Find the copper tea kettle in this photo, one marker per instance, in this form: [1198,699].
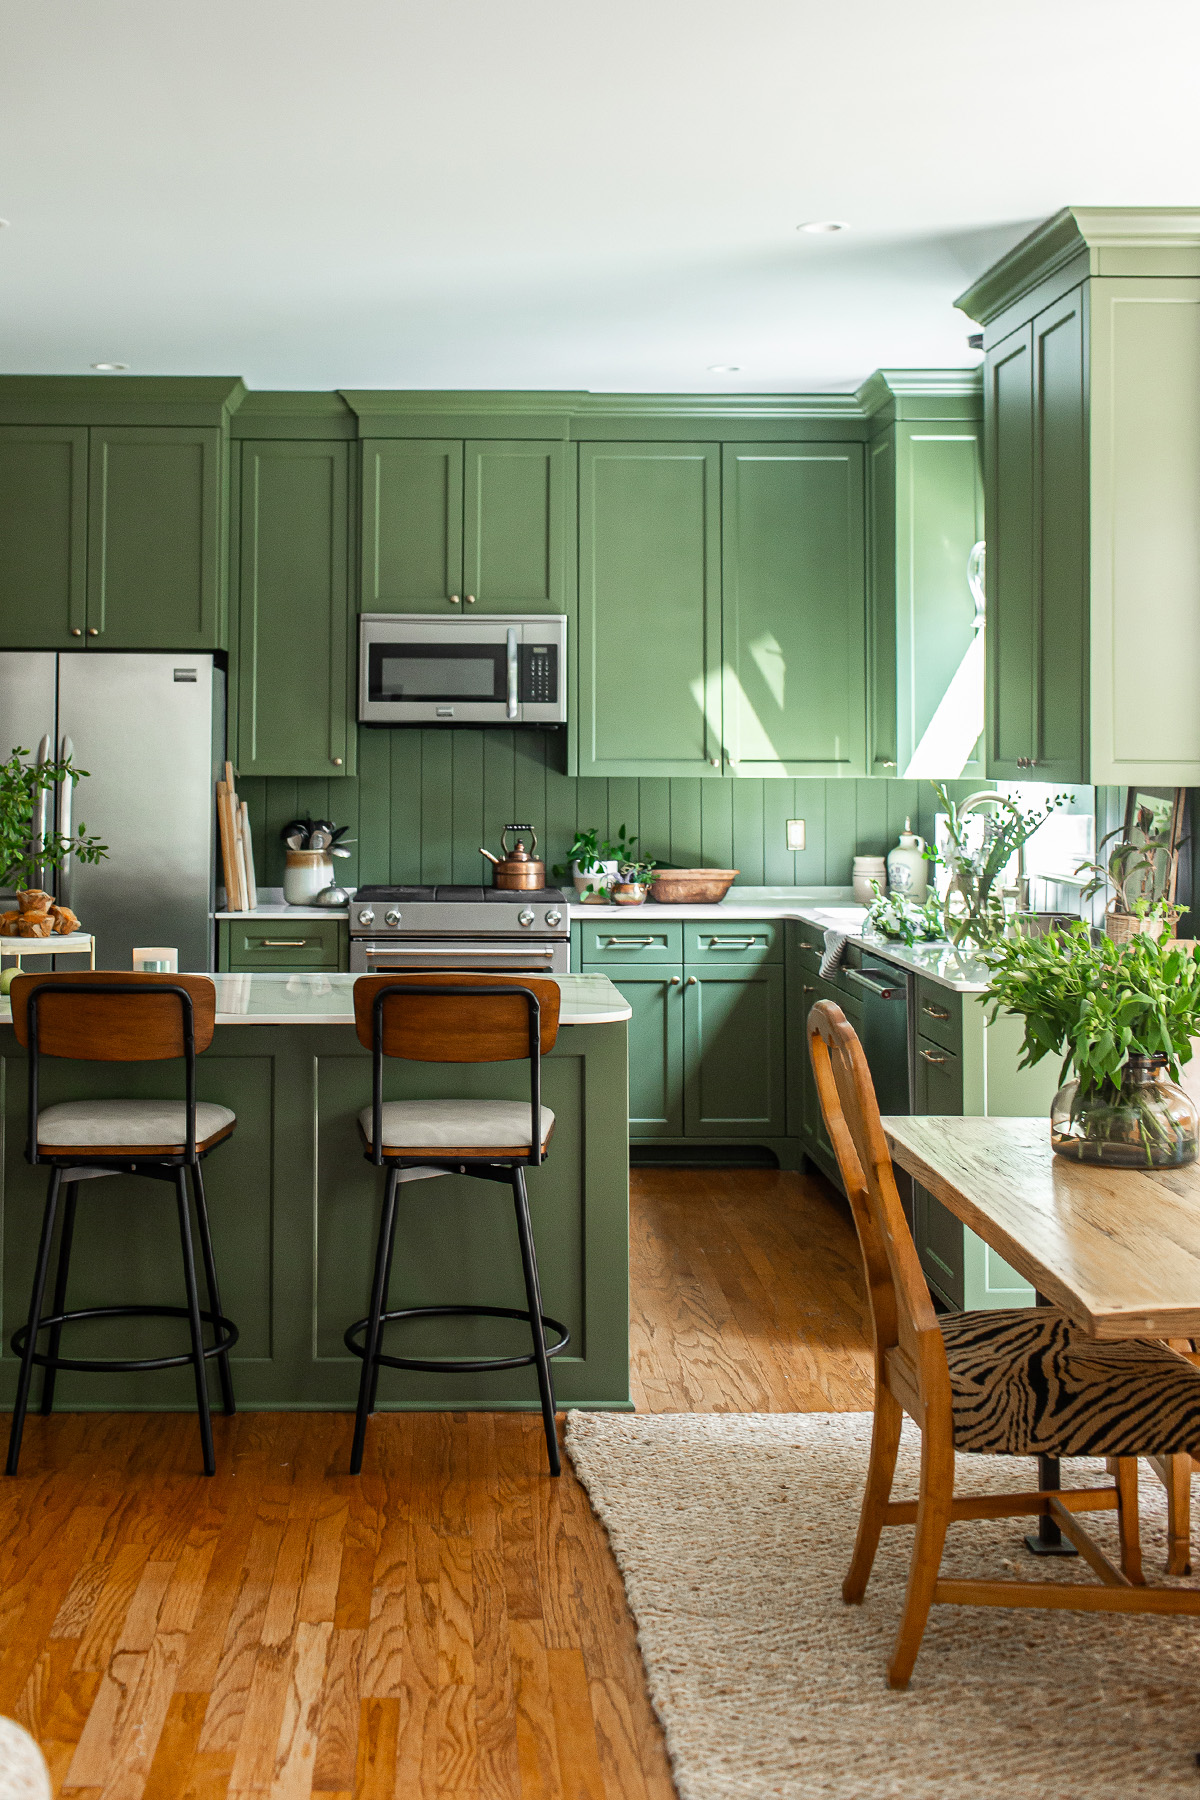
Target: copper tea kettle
[518,868]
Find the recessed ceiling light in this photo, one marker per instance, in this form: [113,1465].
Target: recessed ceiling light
[823,226]
[724,368]
[107,368]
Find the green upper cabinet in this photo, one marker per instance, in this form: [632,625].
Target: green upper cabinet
[412,525]
[155,521]
[514,534]
[649,691]
[43,535]
[794,609]
[1092,414]
[295,710]
[925,511]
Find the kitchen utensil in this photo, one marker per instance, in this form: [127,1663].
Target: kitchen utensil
[248,856]
[334,896]
[320,839]
[306,873]
[295,841]
[692,886]
[518,869]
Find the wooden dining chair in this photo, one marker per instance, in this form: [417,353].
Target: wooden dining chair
[1024,1382]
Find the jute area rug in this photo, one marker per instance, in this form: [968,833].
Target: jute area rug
[733,1533]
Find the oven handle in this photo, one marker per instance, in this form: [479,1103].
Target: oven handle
[511,708]
[546,950]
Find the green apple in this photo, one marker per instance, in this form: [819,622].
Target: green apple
[7,976]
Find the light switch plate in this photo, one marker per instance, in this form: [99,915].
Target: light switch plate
[795,834]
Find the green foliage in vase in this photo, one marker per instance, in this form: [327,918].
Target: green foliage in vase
[902,921]
[1138,874]
[1097,1001]
[20,857]
[972,908]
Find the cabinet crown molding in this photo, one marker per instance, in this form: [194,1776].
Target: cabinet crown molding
[1104,240]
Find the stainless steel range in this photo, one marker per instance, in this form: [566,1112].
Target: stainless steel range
[460,928]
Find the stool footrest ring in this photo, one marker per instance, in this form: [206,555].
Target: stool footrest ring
[226,1330]
[459,1366]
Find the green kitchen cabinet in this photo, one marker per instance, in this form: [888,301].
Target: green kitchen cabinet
[938,1234]
[1037,630]
[656,1080]
[299,946]
[452,527]
[649,690]
[412,525]
[514,526]
[925,515]
[295,666]
[734,1051]
[43,535]
[155,537]
[793,607]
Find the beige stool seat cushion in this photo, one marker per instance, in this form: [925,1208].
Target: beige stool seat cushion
[1031,1382]
[119,1125]
[456,1127]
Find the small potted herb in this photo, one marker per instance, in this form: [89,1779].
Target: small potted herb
[633,881]
[1124,1015]
[1140,876]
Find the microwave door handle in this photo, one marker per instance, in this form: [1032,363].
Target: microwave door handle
[511,708]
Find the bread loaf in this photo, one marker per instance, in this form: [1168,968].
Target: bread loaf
[9,922]
[65,921]
[35,925]
[35,900]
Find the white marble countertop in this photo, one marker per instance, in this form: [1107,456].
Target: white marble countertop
[284,911]
[279,999]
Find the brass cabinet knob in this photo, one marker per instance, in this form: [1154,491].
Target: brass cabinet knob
[337,762]
[93,631]
[715,761]
[454,600]
[675,980]
[691,981]
[470,599]
[77,631]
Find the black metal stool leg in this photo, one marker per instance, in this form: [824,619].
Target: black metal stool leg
[534,1293]
[383,1260]
[387,1282]
[195,1322]
[214,1292]
[35,1312]
[60,1293]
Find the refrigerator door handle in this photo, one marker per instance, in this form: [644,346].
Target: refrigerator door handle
[65,791]
[41,814]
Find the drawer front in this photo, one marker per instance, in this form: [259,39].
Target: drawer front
[939,1015]
[939,1080]
[712,941]
[940,1246]
[278,944]
[612,940]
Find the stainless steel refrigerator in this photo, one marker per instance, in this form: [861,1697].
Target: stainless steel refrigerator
[150,731]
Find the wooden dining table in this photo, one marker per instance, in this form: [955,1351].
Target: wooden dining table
[1117,1249]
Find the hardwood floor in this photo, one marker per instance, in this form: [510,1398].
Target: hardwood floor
[452,1622]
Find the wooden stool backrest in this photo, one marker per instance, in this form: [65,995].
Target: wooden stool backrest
[95,1026]
[474,1026]
[901,1309]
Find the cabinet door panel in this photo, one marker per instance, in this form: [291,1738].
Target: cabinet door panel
[294,709]
[154,538]
[939,1235]
[794,609]
[412,534]
[513,527]
[1012,647]
[1062,507]
[733,1036]
[655,1050]
[43,535]
[649,609]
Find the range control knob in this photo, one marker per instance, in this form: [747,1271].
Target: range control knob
[525,916]
[366,916]
[392,916]
[554,917]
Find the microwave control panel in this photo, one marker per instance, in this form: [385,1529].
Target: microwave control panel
[537,679]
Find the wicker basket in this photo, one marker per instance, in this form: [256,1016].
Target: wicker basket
[1121,927]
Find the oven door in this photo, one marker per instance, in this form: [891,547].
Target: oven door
[525,956]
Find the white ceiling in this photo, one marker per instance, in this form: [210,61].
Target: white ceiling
[546,193]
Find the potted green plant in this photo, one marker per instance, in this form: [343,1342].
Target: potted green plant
[1123,1016]
[975,860]
[1140,876]
[24,854]
[633,881]
[900,920]
[594,863]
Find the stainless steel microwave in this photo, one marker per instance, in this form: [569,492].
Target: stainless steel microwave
[493,669]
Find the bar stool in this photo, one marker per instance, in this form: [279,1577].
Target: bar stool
[465,1018]
[114,1017]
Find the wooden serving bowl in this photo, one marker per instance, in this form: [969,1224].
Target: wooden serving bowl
[678,887]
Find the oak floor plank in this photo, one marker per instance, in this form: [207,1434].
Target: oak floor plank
[295,1752]
[337,1737]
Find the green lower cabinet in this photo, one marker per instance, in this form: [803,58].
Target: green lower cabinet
[313,946]
[655,1050]
[733,1052]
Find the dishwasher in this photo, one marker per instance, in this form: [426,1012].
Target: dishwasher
[883,992]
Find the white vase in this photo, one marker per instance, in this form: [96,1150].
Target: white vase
[907,868]
[306,873]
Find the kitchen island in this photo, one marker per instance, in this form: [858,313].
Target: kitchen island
[295,1210]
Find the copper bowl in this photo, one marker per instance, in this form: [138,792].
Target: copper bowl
[682,887]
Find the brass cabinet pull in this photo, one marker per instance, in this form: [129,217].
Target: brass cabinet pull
[629,943]
[282,943]
[337,762]
[691,981]
[674,982]
[470,599]
[715,943]
[935,1012]
[93,631]
[931,1056]
[77,631]
[454,600]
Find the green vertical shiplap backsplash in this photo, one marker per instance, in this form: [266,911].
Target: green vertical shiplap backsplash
[424,801]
